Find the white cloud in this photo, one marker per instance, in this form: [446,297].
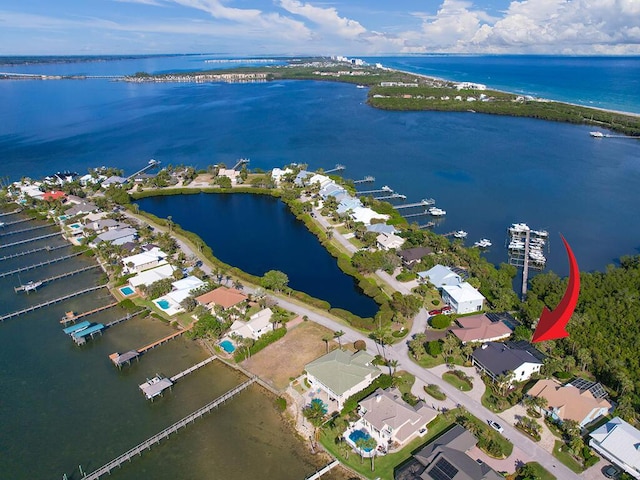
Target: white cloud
[326,18]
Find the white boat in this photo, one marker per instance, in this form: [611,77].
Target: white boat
[436,212]
[519,227]
[516,245]
[483,243]
[540,233]
[597,134]
[31,286]
[386,188]
[361,86]
[460,234]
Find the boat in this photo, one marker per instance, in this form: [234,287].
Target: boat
[540,233]
[386,188]
[597,134]
[31,286]
[483,243]
[436,212]
[516,245]
[518,227]
[361,86]
[460,234]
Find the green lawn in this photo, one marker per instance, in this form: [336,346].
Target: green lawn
[541,472]
[458,383]
[384,465]
[559,451]
[435,392]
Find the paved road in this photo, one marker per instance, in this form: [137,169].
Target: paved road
[400,352]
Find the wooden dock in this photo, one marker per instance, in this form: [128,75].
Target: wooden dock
[366,179]
[29,252]
[128,316]
[58,277]
[17,210]
[323,470]
[422,203]
[34,239]
[72,317]
[37,227]
[38,265]
[163,340]
[17,221]
[50,302]
[192,369]
[147,444]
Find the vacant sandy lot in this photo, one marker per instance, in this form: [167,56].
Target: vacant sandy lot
[286,358]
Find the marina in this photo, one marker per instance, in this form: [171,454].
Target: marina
[38,265]
[29,240]
[24,230]
[73,317]
[35,250]
[421,203]
[29,286]
[526,250]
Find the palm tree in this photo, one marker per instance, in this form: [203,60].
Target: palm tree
[315,412]
[170,222]
[237,284]
[393,366]
[337,334]
[326,340]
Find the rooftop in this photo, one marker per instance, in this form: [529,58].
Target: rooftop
[499,359]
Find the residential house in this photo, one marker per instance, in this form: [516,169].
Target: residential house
[152,275]
[54,195]
[498,359]
[439,276]
[278,173]
[114,180]
[413,256]
[569,403]
[81,208]
[389,241]
[144,261]
[223,296]
[348,203]
[259,323]
[301,178]
[366,215]
[391,420]
[340,374]
[381,228]
[183,288]
[463,298]
[447,458]
[618,442]
[102,225]
[117,237]
[322,180]
[479,328]
[331,189]
[230,174]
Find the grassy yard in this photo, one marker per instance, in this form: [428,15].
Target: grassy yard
[457,382]
[435,392]
[559,451]
[541,472]
[384,465]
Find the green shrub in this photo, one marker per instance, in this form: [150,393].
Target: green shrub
[441,321]
[281,404]
[262,342]
[434,348]
[406,276]
[383,381]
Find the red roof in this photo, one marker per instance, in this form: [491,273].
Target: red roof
[225,297]
[54,195]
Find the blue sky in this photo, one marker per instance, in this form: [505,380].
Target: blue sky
[294,27]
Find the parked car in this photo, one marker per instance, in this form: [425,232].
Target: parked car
[611,471]
[496,426]
[437,311]
[446,310]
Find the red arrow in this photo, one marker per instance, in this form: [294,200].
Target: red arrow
[552,322]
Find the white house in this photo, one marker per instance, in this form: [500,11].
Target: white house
[117,237]
[388,241]
[340,374]
[619,443]
[230,174]
[497,359]
[278,173]
[463,298]
[259,323]
[323,180]
[144,261]
[365,215]
[439,276]
[391,420]
[152,275]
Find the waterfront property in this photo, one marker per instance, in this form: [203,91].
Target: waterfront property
[222,296]
[391,421]
[463,298]
[183,288]
[152,275]
[499,359]
[618,442]
[259,323]
[439,276]
[145,260]
[479,328]
[340,374]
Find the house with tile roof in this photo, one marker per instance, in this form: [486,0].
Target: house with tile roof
[223,296]
[569,403]
[340,374]
[618,442]
[463,298]
[447,458]
[496,359]
[54,195]
[479,328]
[391,420]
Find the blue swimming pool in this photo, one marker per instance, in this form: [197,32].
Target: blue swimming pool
[75,225]
[360,434]
[164,304]
[227,346]
[126,291]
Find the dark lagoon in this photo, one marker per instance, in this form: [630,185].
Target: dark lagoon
[258,233]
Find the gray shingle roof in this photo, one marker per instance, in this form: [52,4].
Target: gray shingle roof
[499,359]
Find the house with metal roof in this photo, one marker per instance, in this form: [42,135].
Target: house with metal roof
[391,420]
[618,442]
[117,237]
[439,276]
[463,298]
[144,261]
[447,458]
[569,403]
[152,275]
[340,374]
[381,228]
[496,359]
[259,323]
[348,203]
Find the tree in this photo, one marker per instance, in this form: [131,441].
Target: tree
[434,348]
[326,339]
[337,334]
[417,345]
[315,412]
[275,280]
[441,321]
[360,345]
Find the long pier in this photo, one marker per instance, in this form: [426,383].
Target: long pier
[419,214]
[323,470]
[427,225]
[337,168]
[50,302]
[29,252]
[392,196]
[72,317]
[422,203]
[58,277]
[17,221]
[38,265]
[163,340]
[41,237]
[37,227]
[147,444]
[192,369]
[366,179]
[379,190]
